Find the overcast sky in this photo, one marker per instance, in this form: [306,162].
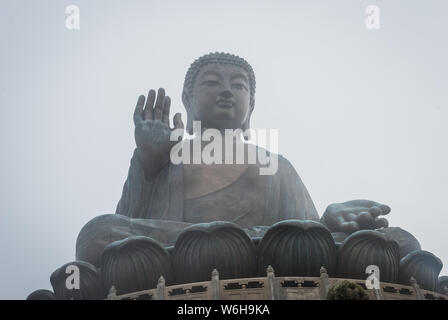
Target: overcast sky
[361,113]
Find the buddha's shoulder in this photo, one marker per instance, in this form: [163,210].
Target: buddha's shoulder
[270,156]
[257,148]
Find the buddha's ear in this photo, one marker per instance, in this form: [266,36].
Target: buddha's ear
[246,124]
[186,100]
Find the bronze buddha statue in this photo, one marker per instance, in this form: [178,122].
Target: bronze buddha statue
[204,213]
[219,91]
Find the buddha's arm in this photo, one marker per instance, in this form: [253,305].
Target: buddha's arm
[294,199]
[105,229]
[154,158]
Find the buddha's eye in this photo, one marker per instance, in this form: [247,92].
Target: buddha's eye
[211,83]
[239,86]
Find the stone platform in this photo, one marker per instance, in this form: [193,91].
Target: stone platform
[272,288]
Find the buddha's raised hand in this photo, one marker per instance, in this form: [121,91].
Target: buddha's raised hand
[355,215]
[152,130]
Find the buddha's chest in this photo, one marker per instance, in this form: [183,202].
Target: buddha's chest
[215,194]
[200,179]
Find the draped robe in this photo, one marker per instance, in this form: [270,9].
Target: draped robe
[158,208]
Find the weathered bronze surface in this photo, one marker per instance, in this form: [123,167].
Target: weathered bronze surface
[219,91]
[184,220]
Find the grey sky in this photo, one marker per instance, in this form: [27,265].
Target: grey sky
[361,114]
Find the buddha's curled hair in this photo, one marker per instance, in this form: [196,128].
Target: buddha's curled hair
[221,58]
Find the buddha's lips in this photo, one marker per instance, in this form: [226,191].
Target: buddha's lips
[224,104]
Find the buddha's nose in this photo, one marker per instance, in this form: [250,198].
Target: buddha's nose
[226,94]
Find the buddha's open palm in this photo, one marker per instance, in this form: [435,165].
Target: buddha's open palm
[152,130]
[355,215]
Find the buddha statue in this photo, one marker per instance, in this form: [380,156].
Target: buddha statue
[196,214]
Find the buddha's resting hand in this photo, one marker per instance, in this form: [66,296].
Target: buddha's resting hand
[152,131]
[355,215]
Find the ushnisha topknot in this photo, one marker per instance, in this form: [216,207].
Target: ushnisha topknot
[221,58]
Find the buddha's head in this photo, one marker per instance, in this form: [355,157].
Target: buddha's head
[219,91]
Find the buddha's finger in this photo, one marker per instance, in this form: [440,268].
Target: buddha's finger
[149,112]
[349,216]
[381,223]
[166,111]
[138,112]
[375,211]
[365,219]
[158,107]
[337,221]
[350,226]
[384,209]
[177,121]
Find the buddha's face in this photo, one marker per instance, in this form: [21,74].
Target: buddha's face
[221,96]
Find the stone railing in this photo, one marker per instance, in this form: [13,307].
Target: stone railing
[272,288]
